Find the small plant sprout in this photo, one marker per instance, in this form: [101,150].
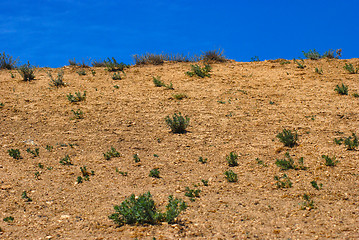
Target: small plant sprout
[79,180]
[93,72]
[15,153]
[177,123]
[300,64]
[351,142]
[8,219]
[154,173]
[35,153]
[49,148]
[179,96]
[200,72]
[81,72]
[192,193]
[59,81]
[77,97]
[78,114]
[202,160]
[260,162]
[142,210]
[283,181]
[25,197]
[158,83]
[37,175]
[116,76]
[205,182]
[350,68]
[288,138]
[330,161]
[1,104]
[66,160]
[342,90]
[86,174]
[315,185]
[120,172]
[111,154]
[232,159]
[231,176]
[136,158]
[308,203]
[288,163]
[27,72]
[319,71]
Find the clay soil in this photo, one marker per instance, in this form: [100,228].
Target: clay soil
[240,108]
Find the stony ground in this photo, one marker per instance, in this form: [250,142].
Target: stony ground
[240,108]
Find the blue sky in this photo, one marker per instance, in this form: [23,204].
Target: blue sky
[50,32]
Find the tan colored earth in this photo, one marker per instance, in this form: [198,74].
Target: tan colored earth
[241,108]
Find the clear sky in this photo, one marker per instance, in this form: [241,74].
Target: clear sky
[50,32]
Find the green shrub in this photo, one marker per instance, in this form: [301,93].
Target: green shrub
[14,153]
[283,181]
[154,173]
[113,66]
[200,72]
[213,56]
[81,72]
[98,63]
[177,123]
[342,90]
[288,163]
[59,81]
[111,154]
[192,193]
[27,72]
[77,97]
[312,54]
[231,176]
[232,159]
[331,162]
[66,160]
[300,64]
[332,54]
[142,210]
[78,114]
[288,138]
[73,63]
[351,142]
[7,61]
[350,68]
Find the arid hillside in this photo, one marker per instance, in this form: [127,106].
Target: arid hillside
[241,109]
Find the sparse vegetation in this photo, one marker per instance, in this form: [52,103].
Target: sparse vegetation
[81,72]
[283,181]
[86,174]
[332,53]
[232,159]
[192,193]
[25,197]
[35,152]
[202,160]
[98,63]
[351,142]
[78,114]
[342,90]
[312,54]
[113,66]
[66,160]
[49,148]
[315,185]
[177,123]
[158,83]
[200,72]
[7,61]
[111,154]
[142,210]
[77,97]
[300,64]
[213,56]
[27,72]
[149,58]
[116,76]
[330,161]
[155,173]
[59,81]
[136,158]
[255,59]
[288,163]
[8,219]
[350,68]
[307,204]
[179,96]
[260,162]
[288,138]
[319,70]
[14,153]
[231,176]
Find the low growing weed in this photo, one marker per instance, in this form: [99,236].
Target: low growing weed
[111,154]
[78,114]
[342,90]
[315,185]
[232,159]
[351,142]
[66,160]
[231,176]
[177,123]
[155,173]
[330,161]
[35,152]
[350,68]
[59,81]
[14,153]
[288,138]
[81,72]
[142,210]
[77,97]
[213,56]
[300,64]
[192,193]
[25,197]
[200,72]
[27,72]
[7,61]
[202,160]
[136,158]
[283,181]
[8,219]
[288,163]
[319,70]
[307,204]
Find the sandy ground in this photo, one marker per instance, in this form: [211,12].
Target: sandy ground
[240,108]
